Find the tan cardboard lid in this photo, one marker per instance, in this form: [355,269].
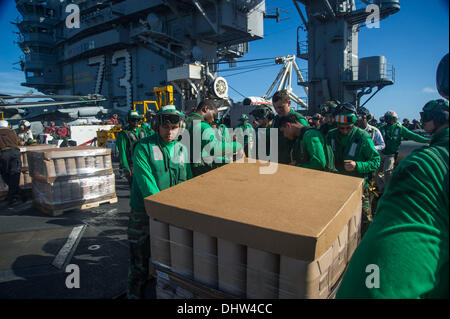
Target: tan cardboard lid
[36,147]
[295,212]
[75,151]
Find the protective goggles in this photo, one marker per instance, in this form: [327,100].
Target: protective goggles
[170,118]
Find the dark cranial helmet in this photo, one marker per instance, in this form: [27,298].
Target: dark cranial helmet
[436,110]
[442,77]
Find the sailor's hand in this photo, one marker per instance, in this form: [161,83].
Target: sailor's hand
[349,165]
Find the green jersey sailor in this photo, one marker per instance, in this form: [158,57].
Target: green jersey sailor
[160,162]
[308,149]
[244,132]
[409,239]
[147,126]
[393,134]
[282,104]
[207,151]
[354,153]
[328,110]
[126,140]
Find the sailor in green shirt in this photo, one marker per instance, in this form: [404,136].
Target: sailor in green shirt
[222,131]
[126,141]
[282,103]
[160,162]
[308,148]
[207,151]
[354,153]
[149,121]
[328,110]
[407,245]
[393,133]
[263,122]
[245,133]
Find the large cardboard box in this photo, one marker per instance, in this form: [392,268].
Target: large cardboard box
[295,212]
[301,216]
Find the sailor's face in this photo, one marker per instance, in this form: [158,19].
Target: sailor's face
[428,126]
[345,129]
[282,108]
[169,132]
[288,131]
[210,116]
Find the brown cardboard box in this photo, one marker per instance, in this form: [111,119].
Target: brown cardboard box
[295,212]
[76,190]
[181,252]
[69,162]
[160,242]
[262,274]
[25,180]
[205,259]
[25,149]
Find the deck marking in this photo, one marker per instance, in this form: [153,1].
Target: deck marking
[60,259]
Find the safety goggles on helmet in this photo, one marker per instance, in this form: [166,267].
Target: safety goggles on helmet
[328,108]
[347,108]
[172,119]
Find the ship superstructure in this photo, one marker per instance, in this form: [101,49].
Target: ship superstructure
[122,49]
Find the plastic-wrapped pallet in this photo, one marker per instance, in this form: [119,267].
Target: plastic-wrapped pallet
[74,190]
[71,178]
[58,163]
[294,244]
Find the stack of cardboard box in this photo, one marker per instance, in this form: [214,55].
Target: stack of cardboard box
[66,178]
[237,233]
[25,177]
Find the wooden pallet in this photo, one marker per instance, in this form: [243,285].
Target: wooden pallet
[169,282]
[57,210]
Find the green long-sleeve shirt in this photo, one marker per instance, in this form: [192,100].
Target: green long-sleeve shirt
[224,133]
[408,239]
[285,145]
[393,135]
[157,166]
[211,149]
[308,150]
[356,146]
[125,143]
[146,126]
[246,129]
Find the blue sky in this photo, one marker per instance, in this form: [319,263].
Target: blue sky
[413,41]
